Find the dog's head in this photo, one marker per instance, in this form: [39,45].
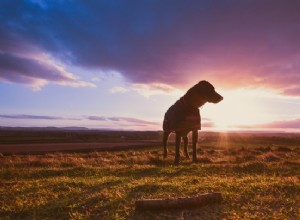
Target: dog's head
[208,92]
[203,92]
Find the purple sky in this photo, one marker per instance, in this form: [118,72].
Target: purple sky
[118,59]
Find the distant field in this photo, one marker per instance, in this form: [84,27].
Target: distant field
[257,174]
[32,141]
[60,140]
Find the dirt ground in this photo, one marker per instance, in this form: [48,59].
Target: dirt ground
[53,147]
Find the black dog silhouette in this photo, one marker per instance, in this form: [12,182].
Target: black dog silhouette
[184,116]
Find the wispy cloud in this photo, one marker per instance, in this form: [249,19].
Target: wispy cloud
[118,89]
[38,117]
[122,119]
[283,124]
[150,89]
[207,123]
[96,118]
[31,117]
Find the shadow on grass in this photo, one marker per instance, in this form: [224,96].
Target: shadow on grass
[44,173]
[205,212]
[74,199]
[152,188]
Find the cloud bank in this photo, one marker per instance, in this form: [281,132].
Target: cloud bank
[35,73]
[284,124]
[249,43]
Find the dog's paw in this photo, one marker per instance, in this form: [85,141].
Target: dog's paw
[165,155]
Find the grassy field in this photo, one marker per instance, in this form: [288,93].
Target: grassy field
[259,178]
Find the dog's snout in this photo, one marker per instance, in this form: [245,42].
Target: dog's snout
[220,98]
[215,98]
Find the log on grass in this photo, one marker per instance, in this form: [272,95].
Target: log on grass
[183,202]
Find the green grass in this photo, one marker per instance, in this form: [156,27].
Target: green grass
[256,183]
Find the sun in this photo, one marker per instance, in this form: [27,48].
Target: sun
[239,108]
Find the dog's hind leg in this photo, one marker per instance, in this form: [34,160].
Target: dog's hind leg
[177,146]
[186,141]
[195,140]
[165,143]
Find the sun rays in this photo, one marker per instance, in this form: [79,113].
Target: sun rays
[239,108]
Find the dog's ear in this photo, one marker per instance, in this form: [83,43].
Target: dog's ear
[205,87]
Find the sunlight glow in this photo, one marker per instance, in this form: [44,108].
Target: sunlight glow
[239,107]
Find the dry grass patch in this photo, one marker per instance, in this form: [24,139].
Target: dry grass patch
[105,185]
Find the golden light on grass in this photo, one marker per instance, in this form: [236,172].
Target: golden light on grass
[87,186]
[223,140]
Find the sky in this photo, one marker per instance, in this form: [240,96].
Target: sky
[121,64]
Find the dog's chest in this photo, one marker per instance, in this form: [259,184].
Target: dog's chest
[180,117]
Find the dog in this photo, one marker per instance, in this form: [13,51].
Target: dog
[184,117]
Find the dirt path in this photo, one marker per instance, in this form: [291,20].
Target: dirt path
[42,148]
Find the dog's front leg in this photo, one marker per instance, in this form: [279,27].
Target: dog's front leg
[186,141]
[177,146]
[195,140]
[165,143]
